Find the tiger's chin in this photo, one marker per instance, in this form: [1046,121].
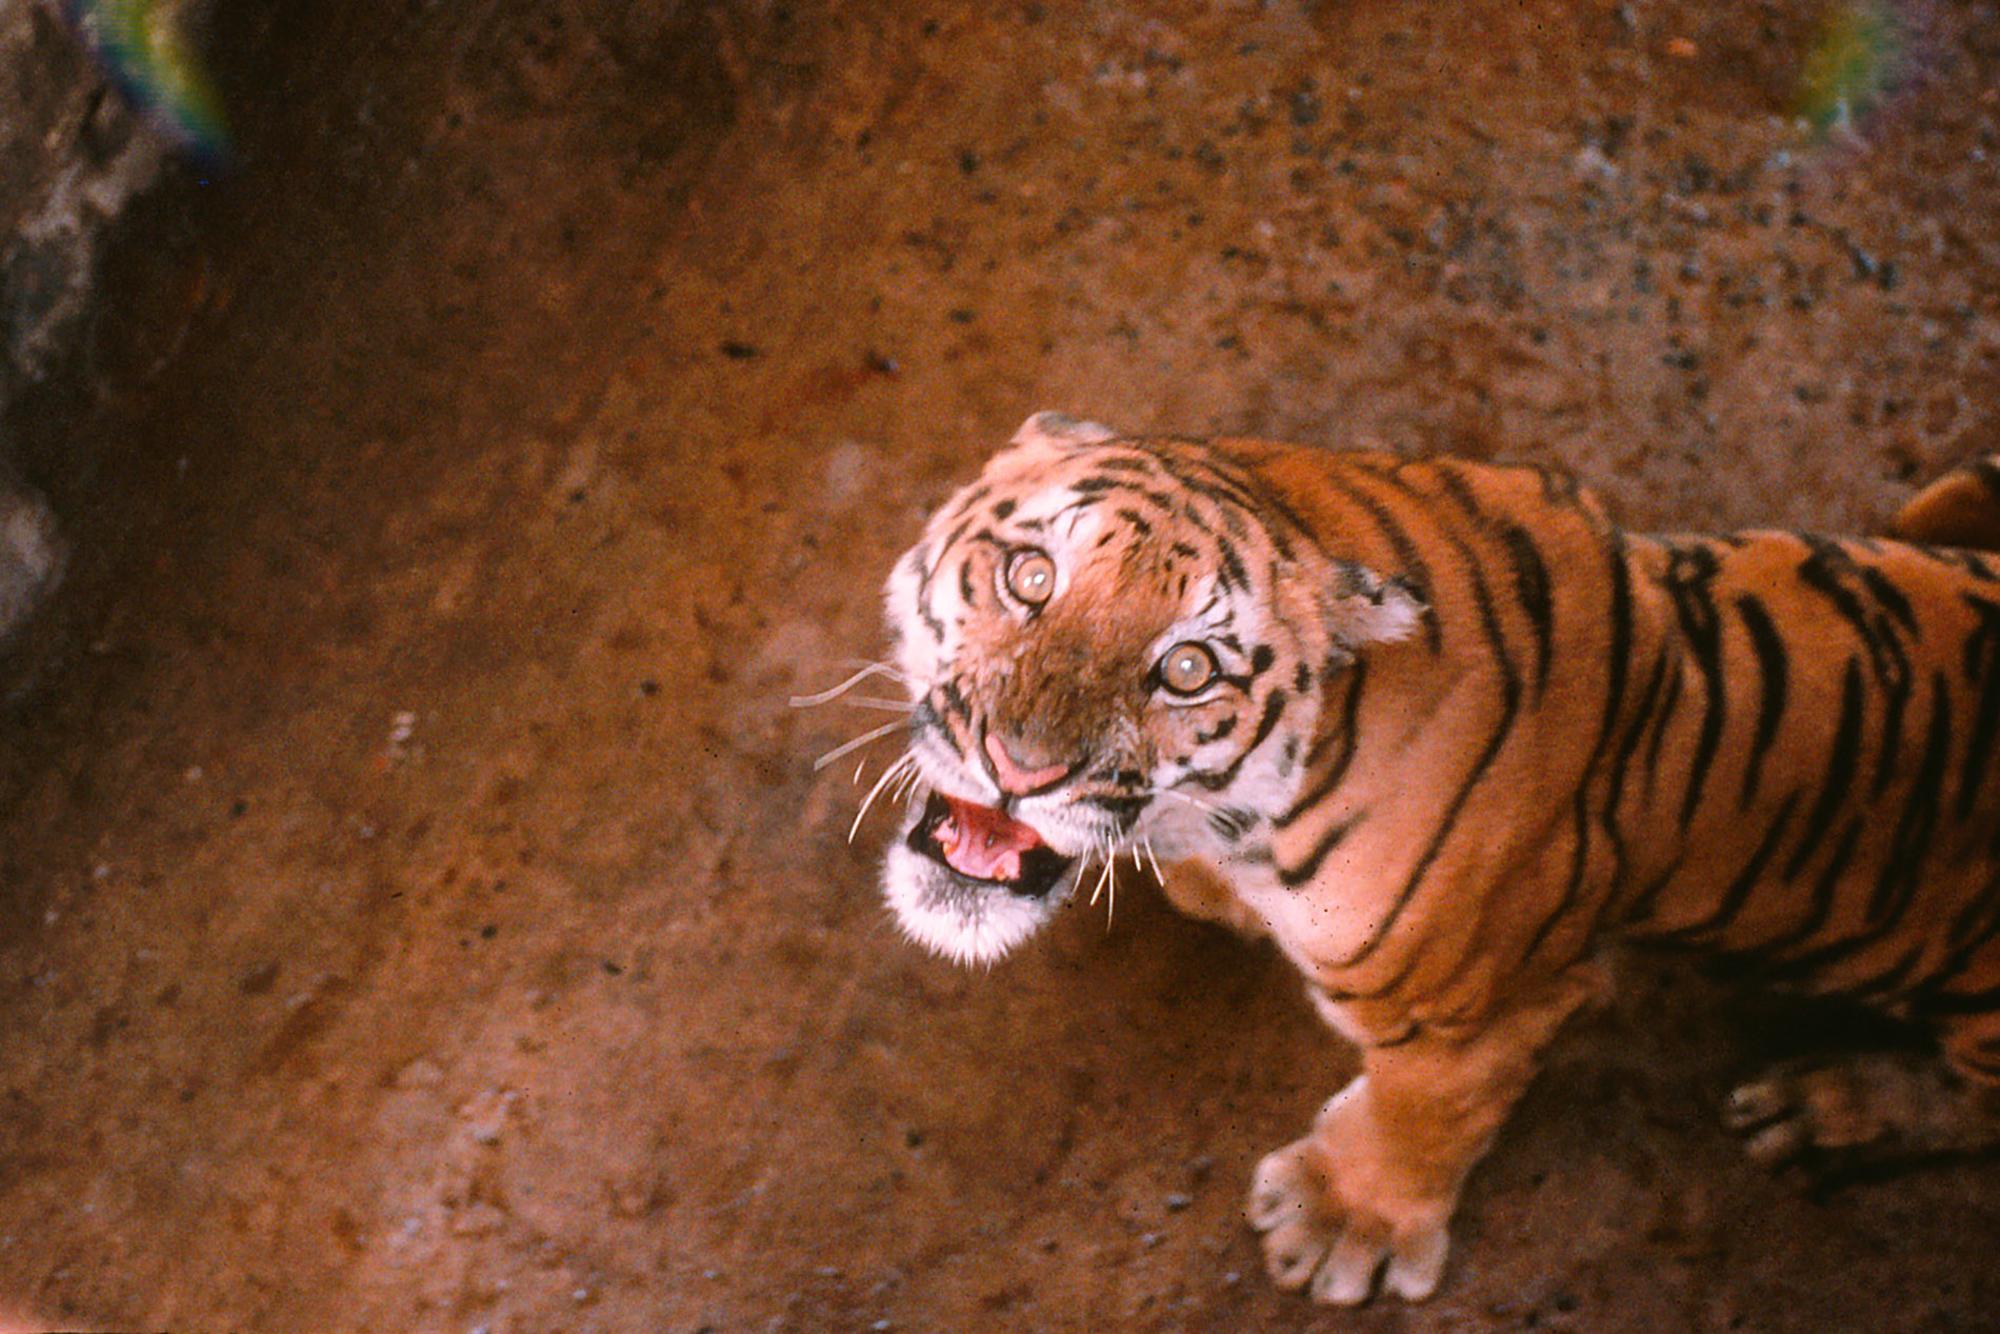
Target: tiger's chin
[966,917]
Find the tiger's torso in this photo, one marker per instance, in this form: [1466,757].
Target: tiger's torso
[1442,730]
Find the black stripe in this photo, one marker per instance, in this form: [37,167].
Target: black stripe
[1897,884]
[1895,887]
[1232,574]
[1976,921]
[1347,736]
[958,530]
[1895,700]
[1675,679]
[1242,486]
[1531,588]
[1294,876]
[1125,463]
[1831,572]
[973,496]
[1771,657]
[1963,1002]
[1888,595]
[1690,571]
[1970,932]
[1641,906]
[1619,651]
[954,702]
[1982,669]
[1821,904]
[1738,892]
[1231,822]
[1558,486]
[1412,1031]
[1885,984]
[1274,704]
[1222,729]
[1841,763]
[1622,762]
[924,612]
[1510,704]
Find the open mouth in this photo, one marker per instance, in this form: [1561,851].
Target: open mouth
[981,844]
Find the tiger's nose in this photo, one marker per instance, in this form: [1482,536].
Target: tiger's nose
[1015,779]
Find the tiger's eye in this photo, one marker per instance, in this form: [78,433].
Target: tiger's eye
[1187,668]
[1031,576]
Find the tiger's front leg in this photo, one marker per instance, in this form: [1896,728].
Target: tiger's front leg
[1371,1188]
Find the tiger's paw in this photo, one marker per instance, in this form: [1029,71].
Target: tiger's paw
[1315,1238]
[1874,1107]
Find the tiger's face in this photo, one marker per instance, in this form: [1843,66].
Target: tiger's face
[1104,655]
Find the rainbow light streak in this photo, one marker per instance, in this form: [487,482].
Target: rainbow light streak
[1854,62]
[141,46]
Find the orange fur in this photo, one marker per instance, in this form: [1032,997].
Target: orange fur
[1767,746]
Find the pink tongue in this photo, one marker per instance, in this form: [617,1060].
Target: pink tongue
[980,842]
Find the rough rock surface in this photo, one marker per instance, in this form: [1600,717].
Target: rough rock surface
[73,154]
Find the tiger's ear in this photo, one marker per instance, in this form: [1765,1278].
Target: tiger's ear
[1051,432]
[1365,607]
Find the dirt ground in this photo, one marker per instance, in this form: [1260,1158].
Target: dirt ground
[418,910]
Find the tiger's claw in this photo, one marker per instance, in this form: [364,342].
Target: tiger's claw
[1336,1250]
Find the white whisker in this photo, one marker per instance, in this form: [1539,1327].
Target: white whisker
[827,696]
[869,800]
[1208,807]
[1107,879]
[878,702]
[887,669]
[858,768]
[1153,857]
[1111,895]
[850,747]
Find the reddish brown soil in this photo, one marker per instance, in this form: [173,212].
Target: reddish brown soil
[565,376]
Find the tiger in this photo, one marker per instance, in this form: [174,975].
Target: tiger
[1446,733]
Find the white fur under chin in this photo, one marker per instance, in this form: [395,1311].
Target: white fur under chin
[965,924]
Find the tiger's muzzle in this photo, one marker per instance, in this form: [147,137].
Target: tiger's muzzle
[970,881]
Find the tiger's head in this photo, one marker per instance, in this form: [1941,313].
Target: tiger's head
[1110,645]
